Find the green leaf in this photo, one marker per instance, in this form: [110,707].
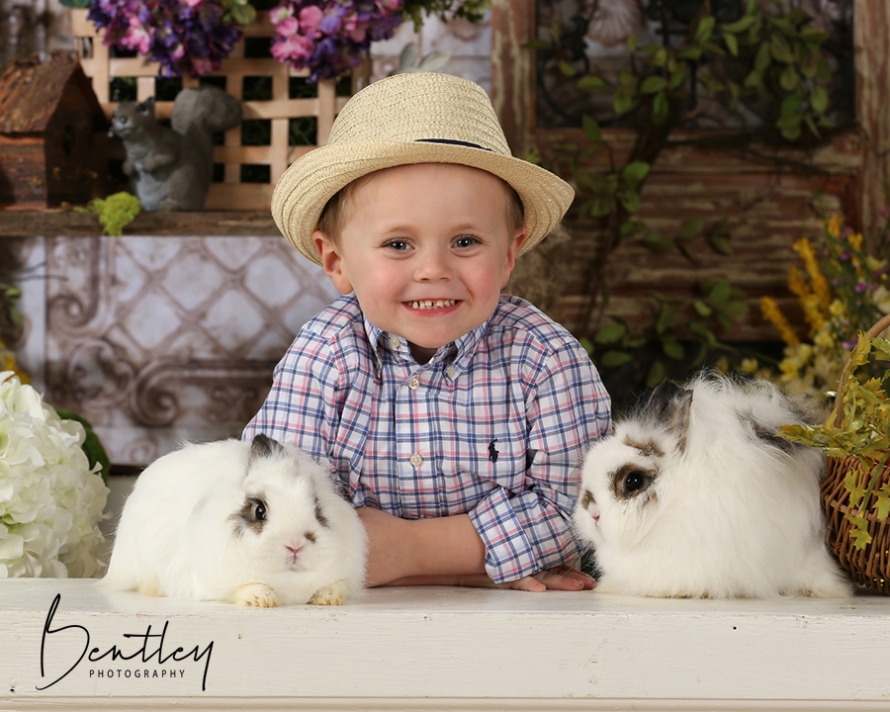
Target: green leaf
[92,446]
[672,348]
[592,83]
[612,358]
[602,205]
[739,25]
[763,58]
[630,199]
[654,242]
[882,501]
[635,173]
[677,76]
[819,99]
[591,129]
[735,309]
[611,333]
[732,44]
[692,54]
[657,374]
[692,229]
[628,80]
[859,355]
[623,102]
[661,108]
[704,30]
[720,245]
[789,79]
[75,3]
[702,308]
[720,293]
[666,316]
[567,70]
[780,49]
[652,84]
[629,228]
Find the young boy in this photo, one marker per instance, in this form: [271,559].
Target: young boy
[455,418]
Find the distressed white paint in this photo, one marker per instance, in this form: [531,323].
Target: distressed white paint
[437,648]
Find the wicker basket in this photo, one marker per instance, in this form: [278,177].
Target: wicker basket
[869,566]
[231,194]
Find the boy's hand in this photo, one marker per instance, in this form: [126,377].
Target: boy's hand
[561,578]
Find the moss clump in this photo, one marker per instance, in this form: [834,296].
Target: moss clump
[115,212]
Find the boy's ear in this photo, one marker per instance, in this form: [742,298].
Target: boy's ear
[331,262]
[518,240]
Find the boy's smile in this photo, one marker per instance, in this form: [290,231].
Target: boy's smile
[426,249]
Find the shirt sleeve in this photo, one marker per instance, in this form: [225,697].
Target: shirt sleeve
[302,406]
[567,409]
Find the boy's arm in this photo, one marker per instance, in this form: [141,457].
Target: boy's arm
[444,551]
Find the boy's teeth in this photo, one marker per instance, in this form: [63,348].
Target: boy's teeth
[429,304]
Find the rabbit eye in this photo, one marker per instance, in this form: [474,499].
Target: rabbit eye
[630,481]
[259,512]
[634,482]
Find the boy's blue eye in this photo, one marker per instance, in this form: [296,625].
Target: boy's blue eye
[465,241]
[397,245]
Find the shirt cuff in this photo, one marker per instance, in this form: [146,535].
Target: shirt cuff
[509,553]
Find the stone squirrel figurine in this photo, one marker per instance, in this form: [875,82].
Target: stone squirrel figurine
[171,168]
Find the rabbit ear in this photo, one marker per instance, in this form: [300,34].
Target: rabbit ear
[265,447]
[669,406]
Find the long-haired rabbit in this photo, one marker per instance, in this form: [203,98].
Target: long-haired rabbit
[696,495]
[257,524]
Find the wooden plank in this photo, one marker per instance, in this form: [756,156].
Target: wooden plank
[436,648]
[512,76]
[239,196]
[871,30]
[210,223]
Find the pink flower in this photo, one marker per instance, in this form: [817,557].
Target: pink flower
[203,65]
[389,6]
[287,27]
[310,18]
[191,3]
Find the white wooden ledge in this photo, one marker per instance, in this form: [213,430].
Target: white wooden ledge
[441,649]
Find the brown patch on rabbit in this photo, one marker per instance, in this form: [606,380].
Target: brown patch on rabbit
[648,448]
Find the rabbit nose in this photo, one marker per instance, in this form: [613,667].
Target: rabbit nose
[293,550]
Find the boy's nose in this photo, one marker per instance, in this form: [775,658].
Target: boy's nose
[434,265]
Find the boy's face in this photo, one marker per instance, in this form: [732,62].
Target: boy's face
[426,249]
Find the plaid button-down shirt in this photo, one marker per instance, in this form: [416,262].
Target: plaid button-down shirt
[494,425]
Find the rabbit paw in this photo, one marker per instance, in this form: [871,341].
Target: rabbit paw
[334,594]
[256,595]
[150,587]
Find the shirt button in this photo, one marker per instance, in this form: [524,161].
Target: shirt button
[415,460]
[414,383]
[450,372]
[394,341]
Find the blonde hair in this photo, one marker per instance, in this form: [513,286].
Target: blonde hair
[330,222]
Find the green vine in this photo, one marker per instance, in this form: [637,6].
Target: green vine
[770,60]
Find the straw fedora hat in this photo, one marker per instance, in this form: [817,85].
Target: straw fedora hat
[413,118]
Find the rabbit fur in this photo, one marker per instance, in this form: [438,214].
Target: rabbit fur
[257,524]
[696,495]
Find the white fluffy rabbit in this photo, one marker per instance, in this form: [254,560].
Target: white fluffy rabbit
[257,524]
[697,496]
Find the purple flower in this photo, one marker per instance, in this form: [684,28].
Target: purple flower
[184,36]
[863,287]
[339,32]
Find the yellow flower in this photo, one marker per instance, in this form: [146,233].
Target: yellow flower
[855,240]
[837,308]
[833,225]
[812,310]
[749,365]
[773,314]
[823,339]
[796,283]
[820,287]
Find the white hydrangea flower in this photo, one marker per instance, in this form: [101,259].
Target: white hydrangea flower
[50,500]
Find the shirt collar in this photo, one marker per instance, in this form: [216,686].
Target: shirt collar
[456,354]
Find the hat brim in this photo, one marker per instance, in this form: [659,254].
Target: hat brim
[305,188]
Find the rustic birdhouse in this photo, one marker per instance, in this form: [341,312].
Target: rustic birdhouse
[52,146]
